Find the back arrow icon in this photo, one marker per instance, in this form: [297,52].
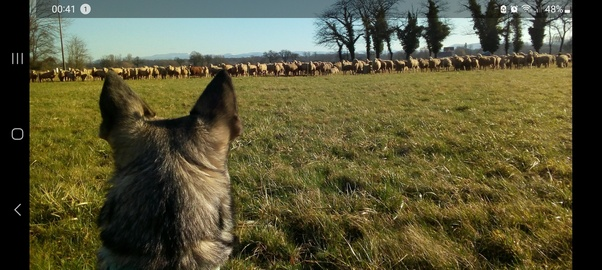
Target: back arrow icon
[17,211]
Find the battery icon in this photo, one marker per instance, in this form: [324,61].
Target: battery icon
[567,10]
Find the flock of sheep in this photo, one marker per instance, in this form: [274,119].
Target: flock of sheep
[297,68]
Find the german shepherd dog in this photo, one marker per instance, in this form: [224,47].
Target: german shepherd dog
[170,205]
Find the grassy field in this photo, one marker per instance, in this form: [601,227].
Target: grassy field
[447,170]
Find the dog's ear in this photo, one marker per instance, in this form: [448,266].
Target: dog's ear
[217,105]
[118,101]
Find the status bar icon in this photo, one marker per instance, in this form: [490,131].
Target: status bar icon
[85,9]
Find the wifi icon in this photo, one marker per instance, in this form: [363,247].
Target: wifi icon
[526,7]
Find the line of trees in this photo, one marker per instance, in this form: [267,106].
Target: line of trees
[341,26]
[377,21]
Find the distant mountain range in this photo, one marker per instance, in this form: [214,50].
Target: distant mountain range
[165,56]
[227,55]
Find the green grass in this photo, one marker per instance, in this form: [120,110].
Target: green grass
[447,170]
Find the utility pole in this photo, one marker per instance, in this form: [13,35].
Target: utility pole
[61,37]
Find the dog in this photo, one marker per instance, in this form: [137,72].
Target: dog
[169,206]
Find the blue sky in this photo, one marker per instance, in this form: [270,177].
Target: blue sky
[149,27]
[217,36]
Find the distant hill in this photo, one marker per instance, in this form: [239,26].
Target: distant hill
[171,56]
[167,56]
[242,55]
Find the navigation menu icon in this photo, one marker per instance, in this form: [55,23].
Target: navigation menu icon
[17,211]
[16,58]
[17,134]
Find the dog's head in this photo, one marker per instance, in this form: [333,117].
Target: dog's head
[128,122]
[169,206]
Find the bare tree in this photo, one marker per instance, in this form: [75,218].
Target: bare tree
[286,55]
[363,9]
[271,56]
[110,60]
[562,26]
[375,15]
[77,53]
[43,29]
[336,27]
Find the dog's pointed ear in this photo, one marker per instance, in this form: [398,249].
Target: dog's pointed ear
[118,101]
[217,104]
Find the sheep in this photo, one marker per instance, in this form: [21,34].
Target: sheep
[48,75]
[423,64]
[457,62]
[99,73]
[475,63]
[324,67]
[231,69]
[279,68]
[346,66]
[388,65]
[562,60]
[241,70]
[119,71]
[251,69]
[505,62]
[446,63]
[262,69]
[376,65]
[486,61]
[155,72]
[214,69]
[334,70]
[496,61]
[529,59]
[162,71]
[368,68]
[66,75]
[83,74]
[434,64]
[33,75]
[185,71]
[467,63]
[307,68]
[543,59]
[413,64]
[518,60]
[144,72]
[399,65]
[291,69]
[272,69]
[358,66]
